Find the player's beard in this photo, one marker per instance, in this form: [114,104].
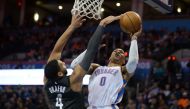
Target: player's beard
[65,72]
[118,59]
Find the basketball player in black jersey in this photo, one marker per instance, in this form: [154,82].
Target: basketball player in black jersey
[64,92]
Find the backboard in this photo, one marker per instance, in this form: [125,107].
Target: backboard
[164,6]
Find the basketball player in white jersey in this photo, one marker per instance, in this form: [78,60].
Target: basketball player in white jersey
[106,84]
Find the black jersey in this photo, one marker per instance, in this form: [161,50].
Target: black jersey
[59,95]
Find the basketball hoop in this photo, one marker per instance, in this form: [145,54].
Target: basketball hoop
[88,8]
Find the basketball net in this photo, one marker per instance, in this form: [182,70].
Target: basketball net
[88,8]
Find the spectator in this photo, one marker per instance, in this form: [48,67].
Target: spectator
[184,101]
[159,72]
[172,102]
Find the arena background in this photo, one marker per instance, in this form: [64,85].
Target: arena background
[29,29]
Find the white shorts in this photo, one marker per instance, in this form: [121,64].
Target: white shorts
[103,107]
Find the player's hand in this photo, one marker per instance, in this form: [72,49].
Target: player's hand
[77,21]
[137,34]
[102,46]
[109,20]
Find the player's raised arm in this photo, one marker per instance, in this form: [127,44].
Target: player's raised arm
[76,22]
[131,65]
[80,70]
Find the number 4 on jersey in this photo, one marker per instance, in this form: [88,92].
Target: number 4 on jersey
[59,101]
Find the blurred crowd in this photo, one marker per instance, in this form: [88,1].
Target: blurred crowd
[165,88]
[154,95]
[158,96]
[22,97]
[35,43]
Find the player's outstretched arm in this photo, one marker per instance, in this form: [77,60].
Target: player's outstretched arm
[80,57]
[79,71]
[76,22]
[131,65]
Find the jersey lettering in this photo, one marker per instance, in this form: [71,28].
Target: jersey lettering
[55,89]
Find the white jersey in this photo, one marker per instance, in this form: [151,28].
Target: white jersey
[105,87]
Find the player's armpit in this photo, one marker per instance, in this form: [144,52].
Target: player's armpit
[125,73]
[76,78]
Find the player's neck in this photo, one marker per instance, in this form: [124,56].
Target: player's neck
[111,64]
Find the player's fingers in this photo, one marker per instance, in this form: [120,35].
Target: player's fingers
[77,12]
[78,15]
[83,20]
[130,34]
[103,45]
[80,18]
[140,29]
[74,17]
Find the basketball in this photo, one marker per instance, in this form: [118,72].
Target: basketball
[130,22]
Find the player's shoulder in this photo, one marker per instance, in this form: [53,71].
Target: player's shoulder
[94,65]
[65,80]
[92,68]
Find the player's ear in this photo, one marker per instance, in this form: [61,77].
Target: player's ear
[60,74]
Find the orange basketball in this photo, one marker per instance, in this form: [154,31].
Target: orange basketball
[130,22]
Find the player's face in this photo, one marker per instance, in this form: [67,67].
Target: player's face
[118,56]
[62,67]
